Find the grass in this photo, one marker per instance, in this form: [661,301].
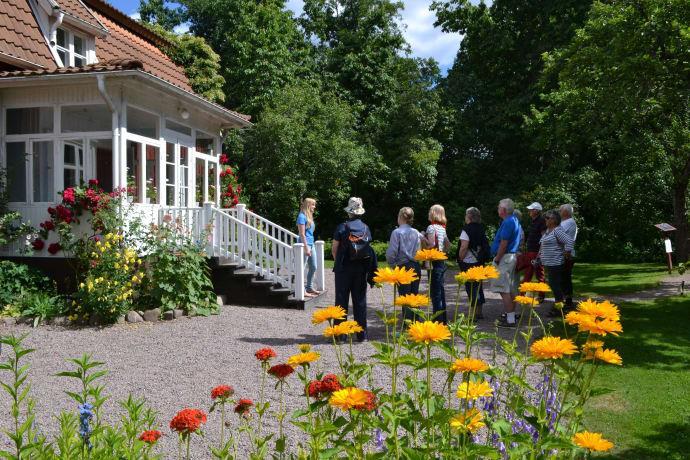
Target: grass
[648,414]
[615,279]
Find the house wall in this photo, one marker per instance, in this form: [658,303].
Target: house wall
[124,92]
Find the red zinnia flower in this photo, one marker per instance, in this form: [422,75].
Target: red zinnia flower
[280,371]
[188,421]
[265,354]
[150,436]
[330,383]
[38,244]
[314,389]
[243,406]
[53,248]
[222,391]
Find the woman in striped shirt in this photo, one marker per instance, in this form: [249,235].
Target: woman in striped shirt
[556,247]
[436,237]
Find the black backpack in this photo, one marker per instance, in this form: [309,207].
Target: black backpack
[358,243]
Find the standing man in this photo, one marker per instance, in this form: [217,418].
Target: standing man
[536,230]
[504,248]
[355,263]
[570,227]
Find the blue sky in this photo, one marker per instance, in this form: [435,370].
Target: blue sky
[418,21]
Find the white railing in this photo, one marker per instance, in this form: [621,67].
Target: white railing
[241,236]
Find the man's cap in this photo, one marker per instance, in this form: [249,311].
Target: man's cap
[536,206]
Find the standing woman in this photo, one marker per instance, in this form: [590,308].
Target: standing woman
[555,250]
[402,248]
[437,238]
[305,228]
[473,252]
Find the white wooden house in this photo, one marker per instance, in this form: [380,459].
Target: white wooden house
[87,93]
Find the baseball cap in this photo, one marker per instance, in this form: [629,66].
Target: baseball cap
[535,206]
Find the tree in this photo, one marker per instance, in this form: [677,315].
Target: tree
[260,47]
[623,100]
[156,12]
[305,141]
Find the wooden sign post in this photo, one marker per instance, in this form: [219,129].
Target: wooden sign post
[666,230]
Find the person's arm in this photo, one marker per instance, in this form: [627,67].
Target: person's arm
[393,248]
[446,243]
[501,251]
[334,248]
[464,244]
[566,241]
[302,229]
[429,239]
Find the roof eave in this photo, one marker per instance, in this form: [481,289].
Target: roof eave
[8,58]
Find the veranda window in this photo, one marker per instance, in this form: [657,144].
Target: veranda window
[134,171]
[30,120]
[142,123]
[200,167]
[85,118]
[17,157]
[152,172]
[204,143]
[43,177]
[73,163]
[184,175]
[170,174]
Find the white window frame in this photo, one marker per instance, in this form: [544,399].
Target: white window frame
[68,49]
[79,166]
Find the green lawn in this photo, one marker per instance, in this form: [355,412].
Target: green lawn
[614,279]
[648,415]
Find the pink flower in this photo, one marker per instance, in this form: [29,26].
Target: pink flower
[68,195]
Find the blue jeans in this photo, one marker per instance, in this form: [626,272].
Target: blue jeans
[310,261]
[412,288]
[438,291]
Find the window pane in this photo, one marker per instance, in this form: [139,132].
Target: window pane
[142,123]
[16,171]
[63,58]
[79,61]
[43,172]
[69,177]
[102,149]
[133,170]
[78,45]
[204,143]
[170,195]
[212,182]
[178,127]
[32,120]
[170,152]
[61,38]
[152,174]
[73,159]
[200,165]
[80,118]
[70,155]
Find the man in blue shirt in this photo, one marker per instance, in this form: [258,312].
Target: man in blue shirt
[504,248]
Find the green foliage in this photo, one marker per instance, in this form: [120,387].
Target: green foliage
[177,273]
[41,306]
[16,279]
[156,12]
[11,227]
[305,137]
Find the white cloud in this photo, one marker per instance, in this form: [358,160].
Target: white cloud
[136,16]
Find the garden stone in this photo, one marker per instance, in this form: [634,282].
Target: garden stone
[152,315]
[25,320]
[134,317]
[59,321]
[10,321]
[120,319]
[168,315]
[220,299]
[141,313]
[178,313]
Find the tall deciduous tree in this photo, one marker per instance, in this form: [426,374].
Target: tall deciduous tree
[623,97]
[157,12]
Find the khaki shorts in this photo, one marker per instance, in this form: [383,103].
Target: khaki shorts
[506,281]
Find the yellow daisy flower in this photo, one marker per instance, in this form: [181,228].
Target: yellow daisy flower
[534,287]
[428,331]
[413,301]
[348,398]
[304,347]
[344,328]
[525,300]
[482,273]
[432,255]
[474,390]
[608,356]
[552,348]
[303,359]
[469,365]
[592,441]
[469,421]
[397,275]
[603,310]
[329,313]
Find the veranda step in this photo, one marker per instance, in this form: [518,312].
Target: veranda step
[261,282]
[279,291]
[248,272]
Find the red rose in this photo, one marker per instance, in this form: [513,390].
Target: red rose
[188,421]
[243,406]
[280,371]
[53,248]
[68,195]
[223,159]
[314,389]
[93,182]
[330,383]
[265,354]
[48,225]
[150,436]
[222,391]
[38,244]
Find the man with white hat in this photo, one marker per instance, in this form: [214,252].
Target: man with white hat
[536,230]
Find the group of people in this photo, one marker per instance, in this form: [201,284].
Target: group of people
[547,248]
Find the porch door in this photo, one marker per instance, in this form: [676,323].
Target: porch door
[179,167]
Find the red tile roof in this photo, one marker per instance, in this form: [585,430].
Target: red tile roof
[121,43]
[77,9]
[103,66]
[20,36]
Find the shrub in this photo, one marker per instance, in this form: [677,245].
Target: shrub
[41,306]
[16,279]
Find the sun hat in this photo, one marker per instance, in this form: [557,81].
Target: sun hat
[536,206]
[355,206]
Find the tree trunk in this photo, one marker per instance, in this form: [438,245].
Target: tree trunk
[680,208]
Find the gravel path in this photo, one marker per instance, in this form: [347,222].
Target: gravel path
[175,364]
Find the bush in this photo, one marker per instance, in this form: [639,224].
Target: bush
[40,306]
[18,278]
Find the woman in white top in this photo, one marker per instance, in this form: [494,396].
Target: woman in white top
[436,237]
[473,252]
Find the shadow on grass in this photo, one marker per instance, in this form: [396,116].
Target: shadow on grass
[669,441]
[655,334]
[611,279]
